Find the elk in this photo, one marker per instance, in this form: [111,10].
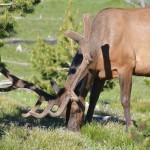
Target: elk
[114,45]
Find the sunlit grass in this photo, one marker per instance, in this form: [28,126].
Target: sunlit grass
[52,13]
[25,138]
[8,52]
[111,135]
[8,107]
[21,96]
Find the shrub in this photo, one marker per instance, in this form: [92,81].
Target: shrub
[24,6]
[50,60]
[7,24]
[7,20]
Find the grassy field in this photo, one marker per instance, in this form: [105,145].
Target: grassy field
[52,13]
[50,133]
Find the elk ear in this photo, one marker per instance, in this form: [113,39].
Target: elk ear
[55,86]
[73,35]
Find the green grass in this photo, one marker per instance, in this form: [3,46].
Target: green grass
[52,13]
[50,133]
[43,139]
[8,52]
[62,139]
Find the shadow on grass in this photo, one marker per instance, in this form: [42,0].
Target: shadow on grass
[47,122]
[106,117]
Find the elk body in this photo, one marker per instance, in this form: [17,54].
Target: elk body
[116,44]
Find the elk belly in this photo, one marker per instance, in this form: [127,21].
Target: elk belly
[108,75]
[142,69]
[142,65]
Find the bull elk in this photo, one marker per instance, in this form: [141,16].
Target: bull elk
[114,45]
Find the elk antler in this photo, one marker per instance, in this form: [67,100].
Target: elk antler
[74,36]
[87,19]
[19,83]
[52,100]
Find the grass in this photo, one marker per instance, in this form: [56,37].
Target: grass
[47,139]
[50,133]
[52,12]
[62,139]
[8,52]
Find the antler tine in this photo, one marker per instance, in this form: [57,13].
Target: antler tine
[45,112]
[87,19]
[49,107]
[56,88]
[74,36]
[48,110]
[61,108]
[7,89]
[36,106]
[19,83]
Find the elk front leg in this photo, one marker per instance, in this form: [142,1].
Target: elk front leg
[97,88]
[125,80]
